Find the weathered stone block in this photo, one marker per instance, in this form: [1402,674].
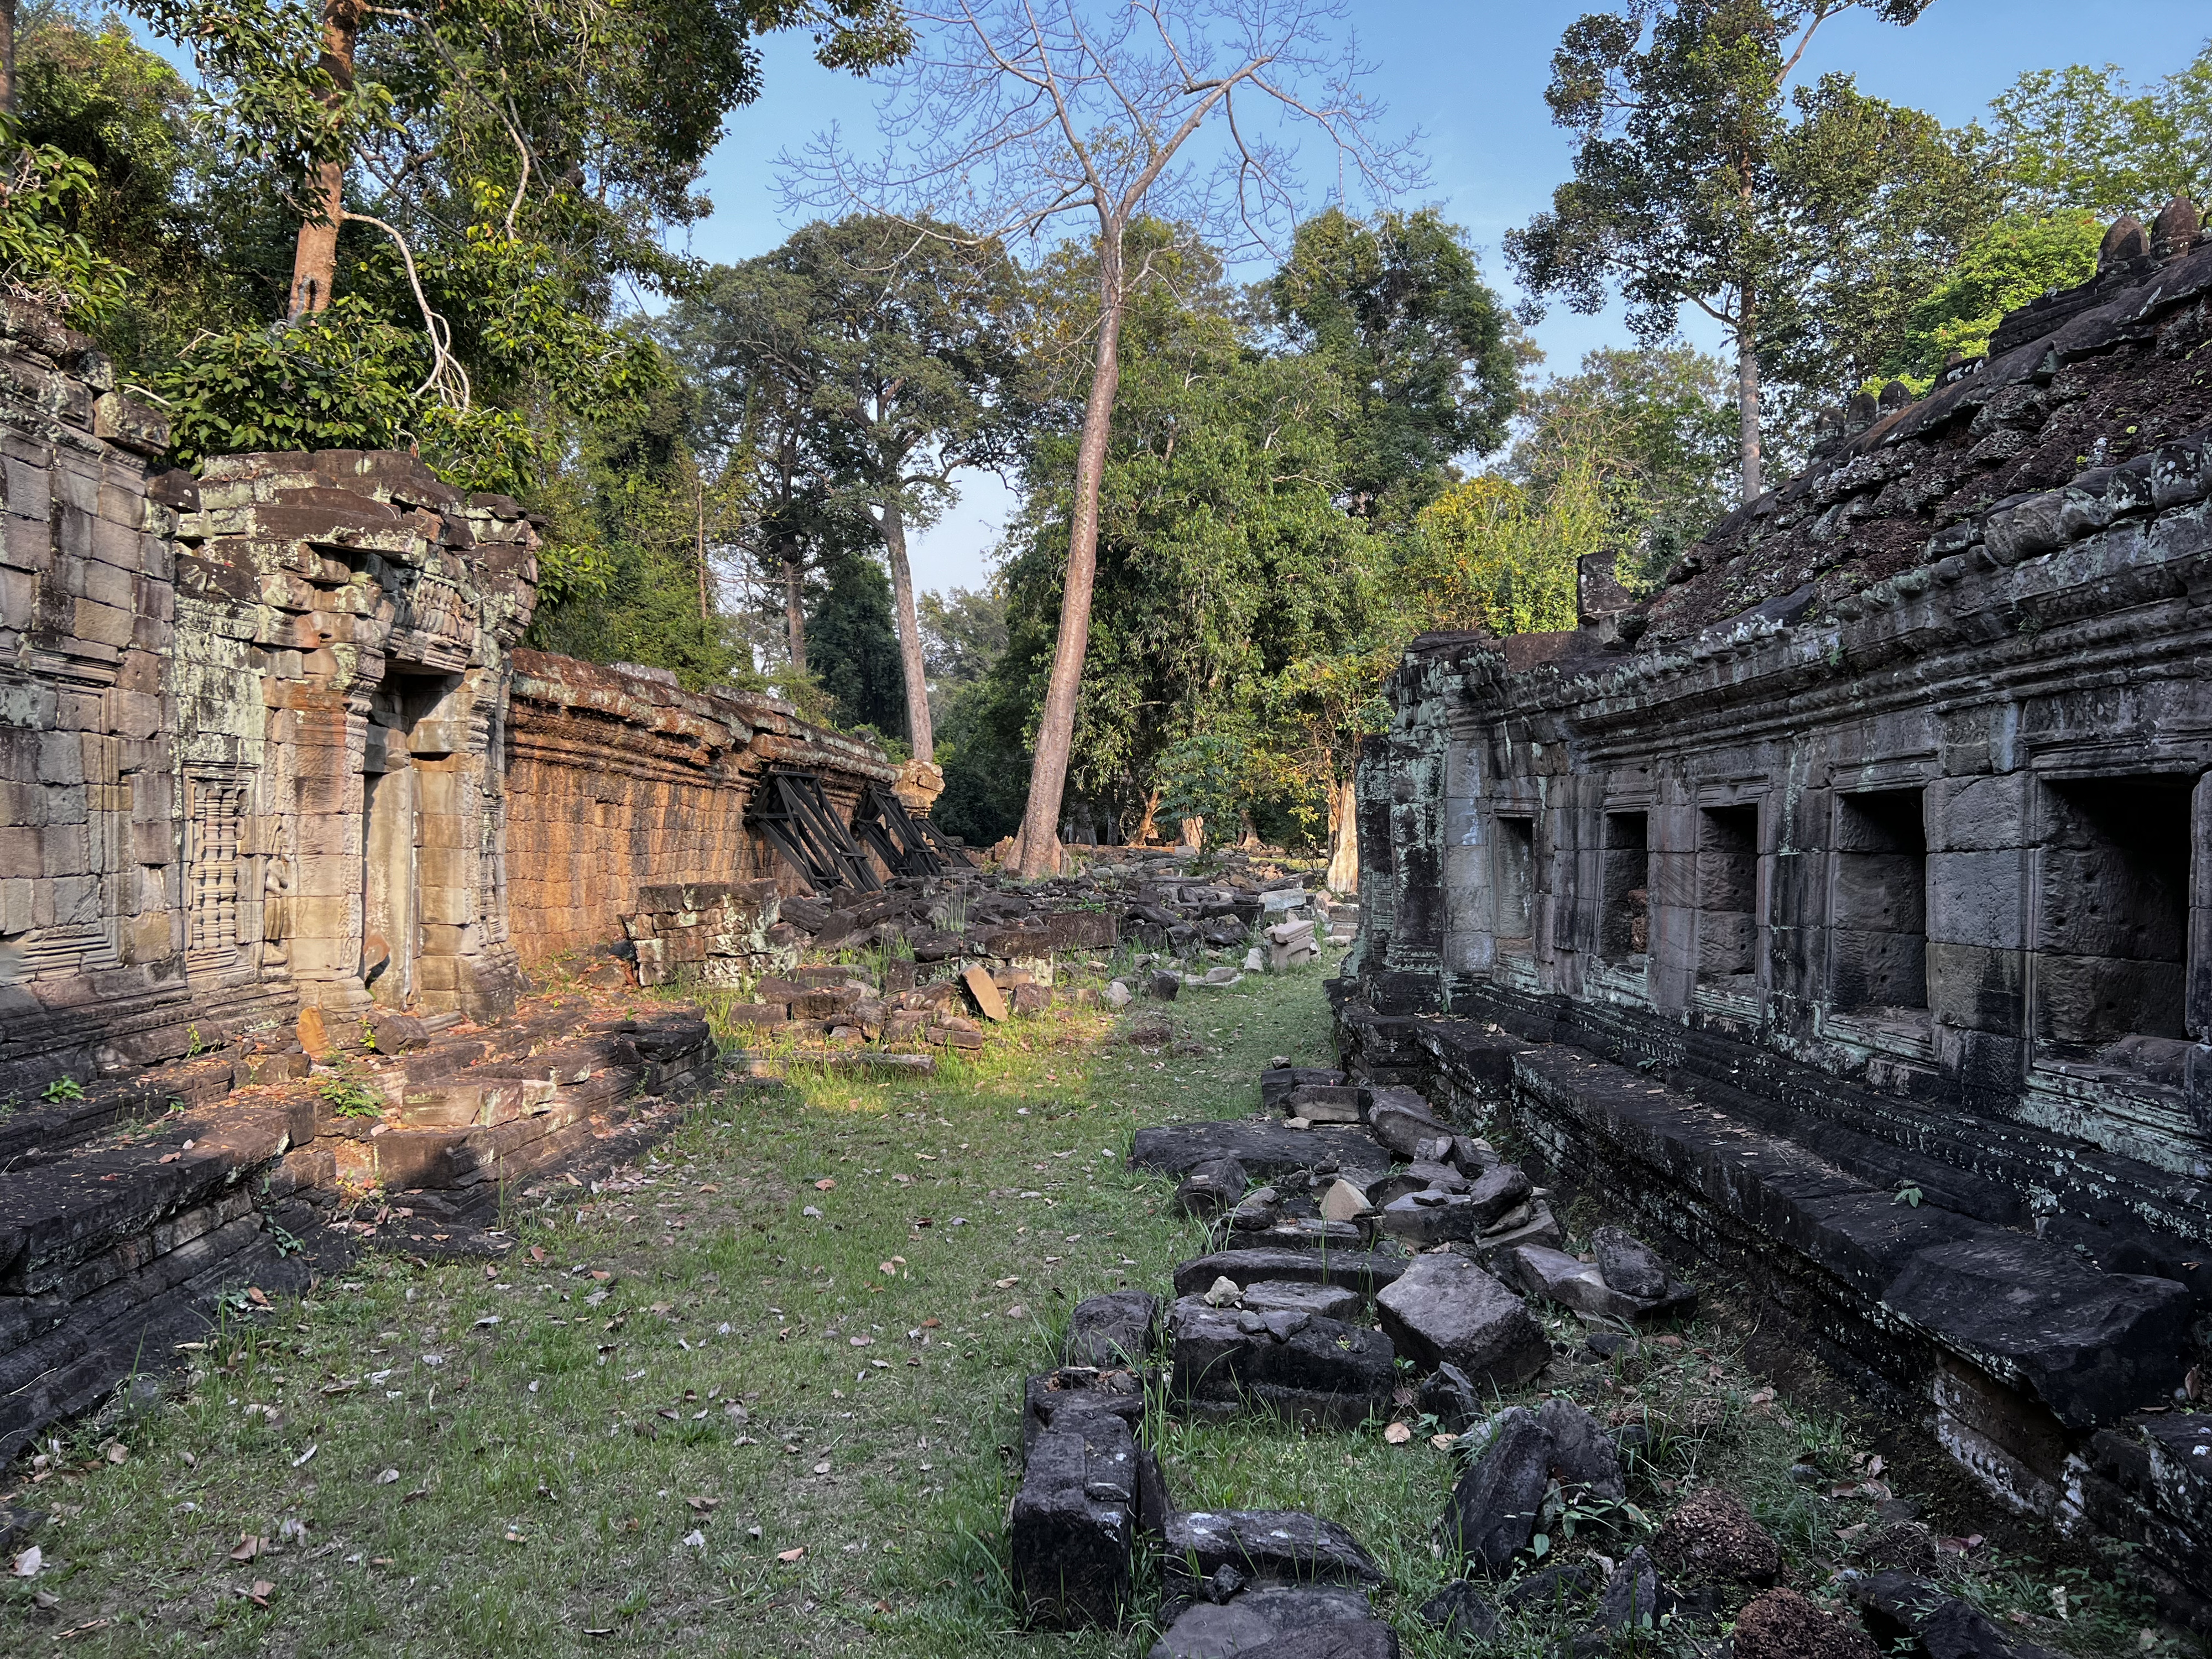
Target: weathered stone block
[1444,1309]
[1074,1522]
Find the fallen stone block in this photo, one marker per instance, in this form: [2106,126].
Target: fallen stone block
[1584,1456]
[1114,1331]
[1444,1309]
[1635,1598]
[1253,1620]
[1448,1394]
[1899,1609]
[1321,1301]
[1210,1189]
[1541,1227]
[1285,1546]
[1459,1610]
[1074,1521]
[1629,1265]
[1323,1102]
[1304,1369]
[1365,1271]
[1495,1504]
[1057,1399]
[1558,1276]
[1278,1081]
[1298,1233]
[1266,1146]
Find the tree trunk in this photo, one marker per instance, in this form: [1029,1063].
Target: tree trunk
[1035,848]
[1746,401]
[315,259]
[8,56]
[1343,874]
[794,613]
[1193,835]
[918,730]
[1148,828]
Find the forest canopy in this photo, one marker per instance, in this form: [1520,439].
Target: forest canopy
[453,229]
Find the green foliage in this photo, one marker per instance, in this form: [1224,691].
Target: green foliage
[62,1089]
[1659,427]
[1495,555]
[42,256]
[2014,261]
[1397,309]
[851,649]
[1208,775]
[348,1097]
[1697,183]
[2082,138]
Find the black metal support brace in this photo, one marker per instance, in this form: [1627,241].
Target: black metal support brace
[907,845]
[790,808]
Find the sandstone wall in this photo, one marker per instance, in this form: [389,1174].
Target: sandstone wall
[617,779]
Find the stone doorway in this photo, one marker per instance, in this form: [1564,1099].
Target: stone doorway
[410,746]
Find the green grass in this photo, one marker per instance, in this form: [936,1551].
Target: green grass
[569,1475]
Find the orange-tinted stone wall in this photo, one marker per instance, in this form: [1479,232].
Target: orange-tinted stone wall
[616,779]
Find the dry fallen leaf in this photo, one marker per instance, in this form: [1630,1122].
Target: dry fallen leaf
[28,1562]
[118,1452]
[388,1478]
[787,1556]
[246,1549]
[1397,1434]
[1006,1284]
[257,1297]
[1443,1442]
[824,1185]
[262,1591]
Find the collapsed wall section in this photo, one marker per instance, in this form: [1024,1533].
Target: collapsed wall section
[618,779]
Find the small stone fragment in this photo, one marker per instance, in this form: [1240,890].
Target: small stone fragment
[1460,1612]
[1445,1308]
[1225,1293]
[1344,1202]
[1634,1597]
[1628,1265]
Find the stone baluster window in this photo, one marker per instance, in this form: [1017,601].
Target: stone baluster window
[1625,926]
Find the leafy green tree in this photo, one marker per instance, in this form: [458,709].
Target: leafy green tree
[2083,137]
[854,655]
[2016,260]
[895,343]
[1012,114]
[1223,554]
[1658,427]
[1693,186]
[487,173]
[1397,308]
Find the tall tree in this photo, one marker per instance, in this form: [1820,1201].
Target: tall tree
[1397,308]
[1012,113]
[900,344]
[1657,428]
[484,173]
[1684,190]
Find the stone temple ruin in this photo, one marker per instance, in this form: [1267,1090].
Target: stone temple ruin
[277,786]
[1843,912]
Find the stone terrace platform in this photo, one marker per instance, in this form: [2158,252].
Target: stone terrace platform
[128,1215]
[2051,1375]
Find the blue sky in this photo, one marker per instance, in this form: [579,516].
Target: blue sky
[1471,77]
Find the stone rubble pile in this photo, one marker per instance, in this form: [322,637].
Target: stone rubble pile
[1355,1230]
[952,949]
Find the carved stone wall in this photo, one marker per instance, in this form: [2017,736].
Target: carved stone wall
[617,779]
[1870,858]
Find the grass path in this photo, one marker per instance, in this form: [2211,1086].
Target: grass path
[686,1416]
